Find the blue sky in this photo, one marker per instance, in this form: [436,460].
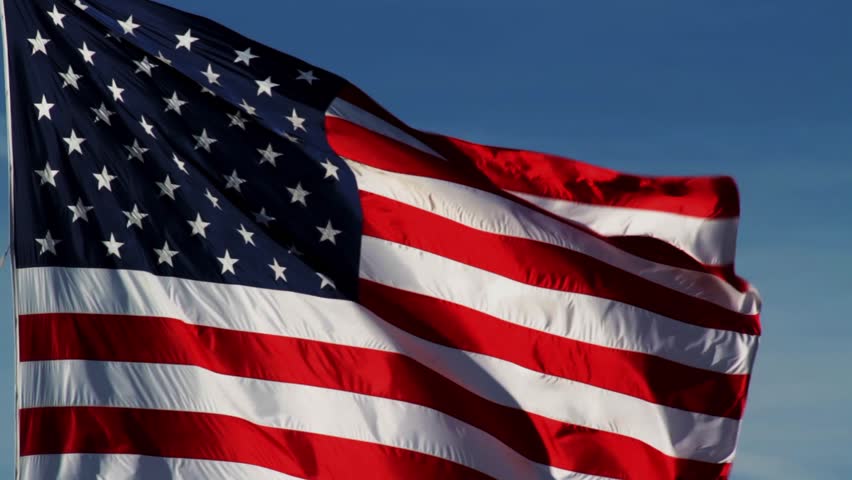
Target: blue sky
[758,89]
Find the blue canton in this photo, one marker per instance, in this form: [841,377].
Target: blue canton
[145,138]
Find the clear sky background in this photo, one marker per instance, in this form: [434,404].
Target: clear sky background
[757,89]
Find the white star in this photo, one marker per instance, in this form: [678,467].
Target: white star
[56,17]
[294,251]
[330,169]
[265,86]
[134,217]
[185,40]
[208,91]
[48,175]
[278,270]
[163,58]
[113,246]
[128,26]
[212,77]
[149,129]
[213,199]
[74,143]
[174,103]
[136,151]
[80,211]
[228,263]
[297,121]
[198,226]
[80,5]
[88,55]
[262,218]
[269,155]
[328,233]
[247,236]
[299,195]
[326,282]
[39,43]
[103,113]
[165,255]
[167,188]
[293,139]
[234,181]
[145,66]
[116,91]
[70,78]
[203,141]
[307,76]
[48,243]
[104,179]
[248,108]
[180,164]
[44,108]
[237,120]
[245,56]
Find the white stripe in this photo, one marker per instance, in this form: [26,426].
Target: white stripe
[576,316]
[342,109]
[711,241]
[278,405]
[672,431]
[491,213]
[127,467]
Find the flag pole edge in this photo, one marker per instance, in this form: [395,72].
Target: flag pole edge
[7,88]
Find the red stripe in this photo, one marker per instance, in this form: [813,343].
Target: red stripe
[159,433]
[375,150]
[382,374]
[370,148]
[639,375]
[568,179]
[542,264]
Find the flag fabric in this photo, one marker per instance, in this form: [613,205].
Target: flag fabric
[231,264]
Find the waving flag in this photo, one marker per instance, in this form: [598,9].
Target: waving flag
[231,264]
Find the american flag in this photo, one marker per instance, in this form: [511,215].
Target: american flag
[231,264]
